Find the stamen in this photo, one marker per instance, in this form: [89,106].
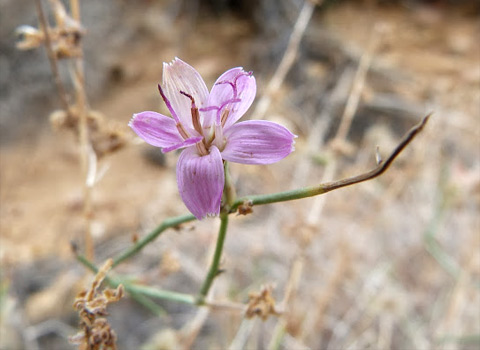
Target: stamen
[224,116]
[202,149]
[195,114]
[182,131]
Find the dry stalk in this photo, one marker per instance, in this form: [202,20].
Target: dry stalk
[325,297]
[52,57]
[96,137]
[190,331]
[287,60]
[346,119]
[290,293]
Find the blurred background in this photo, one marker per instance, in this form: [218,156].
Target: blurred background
[393,263]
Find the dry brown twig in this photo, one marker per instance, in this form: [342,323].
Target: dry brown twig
[96,137]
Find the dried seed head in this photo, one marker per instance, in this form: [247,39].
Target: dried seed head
[91,305]
[261,304]
[245,208]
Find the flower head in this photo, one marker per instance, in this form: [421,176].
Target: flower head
[204,123]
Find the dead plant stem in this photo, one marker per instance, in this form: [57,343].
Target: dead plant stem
[287,60]
[88,159]
[52,58]
[75,10]
[347,118]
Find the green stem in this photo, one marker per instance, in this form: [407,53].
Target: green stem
[161,294]
[147,303]
[213,271]
[140,293]
[171,222]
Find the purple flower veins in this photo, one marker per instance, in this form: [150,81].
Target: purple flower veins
[204,123]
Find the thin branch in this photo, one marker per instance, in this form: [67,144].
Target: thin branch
[347,116]
[52,58]
[287,60]
[168,223]
[358,84]
[333,185]
[136,290]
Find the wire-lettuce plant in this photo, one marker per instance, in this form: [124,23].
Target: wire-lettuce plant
[204,124]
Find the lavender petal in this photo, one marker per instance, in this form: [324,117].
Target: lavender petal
[180,76]
[200,181]
[160,131]
[257,142]
[235,89]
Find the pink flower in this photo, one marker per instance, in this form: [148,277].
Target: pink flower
[205,125]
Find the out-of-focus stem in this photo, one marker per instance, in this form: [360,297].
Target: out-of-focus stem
[52,58]
[88,161]
[136,290]
[288,58]
[80,110]
[213,271]
[171,222]
[88,158]
[75,10]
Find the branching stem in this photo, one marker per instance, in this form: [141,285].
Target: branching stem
[141,293]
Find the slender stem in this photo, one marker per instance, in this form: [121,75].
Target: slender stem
[52,58]
[138,292]
[213,271]
[333,185]
[287,60]
[147,303]
[171,222]
[161,294]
